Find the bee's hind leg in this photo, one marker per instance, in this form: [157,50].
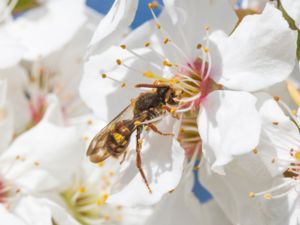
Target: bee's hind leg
[124,157]
[138,156]
[156,130]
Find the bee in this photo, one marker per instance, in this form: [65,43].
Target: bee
[148,108]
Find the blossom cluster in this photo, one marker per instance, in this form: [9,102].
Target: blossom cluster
[102,124]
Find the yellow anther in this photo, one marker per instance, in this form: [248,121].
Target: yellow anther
[105,197]
[268,196]
[199,46]
[181,130]
[85,138]
[99,202]
[118,137]
[111,173]
[173,110]
[166,40]
[171,191]
[137,123]
[251,194]
[276,98]
[175,64]
[254,151]
[166,63]
[123,85]
[106,217]
[119,218]
[153,5]
[82,189]
[205,50]
[147,44]
[123,46]
[102,199]
[103,75]
[149,74]
[196,168]
[89,122]
[118,61]
[297,155]
[158,26]
[206,27]
[101,164]
[174,81]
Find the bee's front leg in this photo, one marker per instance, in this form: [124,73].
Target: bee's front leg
[138,156]
[156,130]
[171,110]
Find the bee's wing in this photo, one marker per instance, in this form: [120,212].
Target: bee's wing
[96,149]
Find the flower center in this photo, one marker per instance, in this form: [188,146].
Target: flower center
[8,192]
[87,201]
[191,78]
[289,160]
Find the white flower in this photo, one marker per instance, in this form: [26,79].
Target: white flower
[29,84]
[41,161]
[266,181]
[175,48]
[86,197]
[47,28]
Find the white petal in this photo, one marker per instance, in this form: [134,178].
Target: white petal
[162,161]
[48,157]
[204,13]
[113,26]
[16,78]
[11,51]
[47,28]
[231,191]
[6,118]
[67,65]
[254,4]
[276,140]
[182,207]
[9,218]
[293,10]
[33,213]
[283,210]
[104,96]
[229,125]
[257,54]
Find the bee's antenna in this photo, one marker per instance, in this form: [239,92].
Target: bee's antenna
[151,86]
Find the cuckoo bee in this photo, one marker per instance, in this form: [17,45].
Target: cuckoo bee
[148,108]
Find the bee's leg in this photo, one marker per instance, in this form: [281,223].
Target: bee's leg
[171,111]
[138,156]
[168,95]
[124,157]
[156,130]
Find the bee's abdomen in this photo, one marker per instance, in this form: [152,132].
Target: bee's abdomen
[119,138]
